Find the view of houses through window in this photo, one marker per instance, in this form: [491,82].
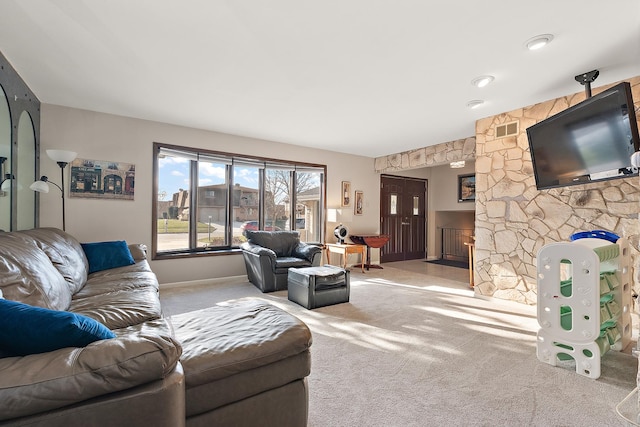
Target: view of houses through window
[205,201]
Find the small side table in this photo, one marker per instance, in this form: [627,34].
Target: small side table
[471,246]
[375,241]
[345,250]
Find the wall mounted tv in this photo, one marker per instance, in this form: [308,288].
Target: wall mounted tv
[591,141]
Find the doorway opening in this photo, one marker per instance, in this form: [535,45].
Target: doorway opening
[403,207]
[455,231]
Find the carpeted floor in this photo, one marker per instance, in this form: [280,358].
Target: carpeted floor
[413,348]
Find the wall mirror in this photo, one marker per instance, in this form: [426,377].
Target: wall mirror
[26,175]
[20,146]
[5,162]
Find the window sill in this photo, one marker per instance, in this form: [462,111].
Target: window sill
[195,253]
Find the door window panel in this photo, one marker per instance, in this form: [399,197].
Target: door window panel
[393,204]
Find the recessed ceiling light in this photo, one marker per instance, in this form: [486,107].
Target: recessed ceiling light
[482,81]
[475,103]
[457,164]
[538,42]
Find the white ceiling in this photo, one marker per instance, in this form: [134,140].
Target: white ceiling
[367,77]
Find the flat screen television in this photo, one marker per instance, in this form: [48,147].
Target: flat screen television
[591,141]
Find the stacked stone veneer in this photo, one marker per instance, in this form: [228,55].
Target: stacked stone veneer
[435,155]
[514,220]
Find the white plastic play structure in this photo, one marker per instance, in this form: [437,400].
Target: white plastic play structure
[584,300]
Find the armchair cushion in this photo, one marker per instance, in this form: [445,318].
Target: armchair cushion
[284,263]
[282,243]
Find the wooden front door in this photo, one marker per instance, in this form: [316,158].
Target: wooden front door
[403,218]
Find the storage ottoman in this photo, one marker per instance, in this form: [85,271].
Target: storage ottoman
[245,364]
[313,287]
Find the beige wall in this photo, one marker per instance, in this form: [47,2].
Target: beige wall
[514,220]
[100,136]
[443,191]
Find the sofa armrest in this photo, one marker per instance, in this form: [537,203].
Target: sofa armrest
[42,382]
[306,251]
[138,251]
[258,250]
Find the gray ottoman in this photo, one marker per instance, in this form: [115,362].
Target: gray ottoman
[313,287]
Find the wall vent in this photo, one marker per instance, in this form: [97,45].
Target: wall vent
[507,129]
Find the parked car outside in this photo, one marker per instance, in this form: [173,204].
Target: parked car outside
[253,226]
[300,224]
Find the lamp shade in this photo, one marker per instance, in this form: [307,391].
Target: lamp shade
[339,215]
[62,155]
[6,184]
[40,187]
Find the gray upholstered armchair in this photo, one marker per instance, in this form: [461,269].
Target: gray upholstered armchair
[268,256]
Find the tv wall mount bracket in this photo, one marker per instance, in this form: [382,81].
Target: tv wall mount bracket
[586,79]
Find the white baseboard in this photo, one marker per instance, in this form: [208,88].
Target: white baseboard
[213,281]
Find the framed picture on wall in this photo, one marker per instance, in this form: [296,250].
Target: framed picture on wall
[346,194]
[358,203]
[467,188]
[102,179]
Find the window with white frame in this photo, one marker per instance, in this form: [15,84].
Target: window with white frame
[204,200]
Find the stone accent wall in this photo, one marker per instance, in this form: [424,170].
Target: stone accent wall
[435,155]
[514,220]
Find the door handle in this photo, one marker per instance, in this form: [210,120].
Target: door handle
[405,223]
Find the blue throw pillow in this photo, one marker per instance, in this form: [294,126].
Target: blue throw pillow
[25,329]
[106,255]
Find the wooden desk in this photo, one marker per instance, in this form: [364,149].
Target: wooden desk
[345,250]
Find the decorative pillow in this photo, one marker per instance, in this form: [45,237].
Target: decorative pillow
[106,255]
[25,329]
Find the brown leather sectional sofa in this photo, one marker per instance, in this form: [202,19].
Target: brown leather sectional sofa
[242,363]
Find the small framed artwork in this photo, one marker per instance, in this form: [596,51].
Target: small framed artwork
[358,203]
[467,188]
[346,194]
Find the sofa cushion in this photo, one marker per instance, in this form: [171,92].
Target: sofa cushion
[64,252]
[28,275]
[41,382]
[25,329]
[136,276]
[120,309]
[106,255]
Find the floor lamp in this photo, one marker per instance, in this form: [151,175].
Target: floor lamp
[62,157]
[5,180]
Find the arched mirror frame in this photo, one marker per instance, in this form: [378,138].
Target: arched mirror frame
[26,174]
[21,99]
[5,162]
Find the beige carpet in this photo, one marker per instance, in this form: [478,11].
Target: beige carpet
[415,348]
